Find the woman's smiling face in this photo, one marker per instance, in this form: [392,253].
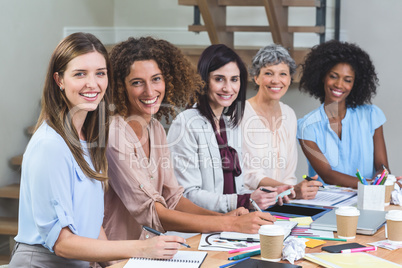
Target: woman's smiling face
[145,88]
[338,83]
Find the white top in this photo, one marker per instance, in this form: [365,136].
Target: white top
[266,153]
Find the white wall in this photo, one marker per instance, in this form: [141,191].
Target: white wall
[30,30]
[376,27]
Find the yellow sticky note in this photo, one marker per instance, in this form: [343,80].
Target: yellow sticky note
[302,221]
[312,243]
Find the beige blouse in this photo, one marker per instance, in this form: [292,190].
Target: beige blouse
[266,153]
[136,183]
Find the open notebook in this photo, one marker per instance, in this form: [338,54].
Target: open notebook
[183,258]
[287,226]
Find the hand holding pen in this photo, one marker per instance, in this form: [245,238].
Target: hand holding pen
[265,196]
[149,229]
[308,187]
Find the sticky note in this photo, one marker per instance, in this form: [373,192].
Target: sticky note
[312,243]
[302,221]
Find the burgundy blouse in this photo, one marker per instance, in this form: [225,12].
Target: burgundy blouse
[230,165]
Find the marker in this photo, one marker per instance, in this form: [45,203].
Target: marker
[243,249]
[323,238]
[256,207]
[149,229]
[231,263]
[373,248]
[248,254]
[266,190]
[359,176]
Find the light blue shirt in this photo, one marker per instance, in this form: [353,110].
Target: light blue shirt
[356,148]
[55,193]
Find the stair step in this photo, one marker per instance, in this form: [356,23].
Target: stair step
[246,54]
[4,259]
[16,160]
[8,226]
[233,28]
[10,191]
[250,3]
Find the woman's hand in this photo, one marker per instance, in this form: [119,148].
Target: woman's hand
[286,198]
[237,212]
[307,189]
[250,223]
[161,247]
[264,199]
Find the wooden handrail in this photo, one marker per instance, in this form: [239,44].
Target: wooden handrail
[214,17]
[278,22]
[242,28]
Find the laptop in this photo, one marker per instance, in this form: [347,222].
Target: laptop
[368,224]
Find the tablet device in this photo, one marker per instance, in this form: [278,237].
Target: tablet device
[295,210]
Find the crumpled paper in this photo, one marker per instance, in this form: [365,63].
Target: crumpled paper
[294,249]
[396,195]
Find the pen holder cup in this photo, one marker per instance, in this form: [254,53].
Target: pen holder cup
[370,197]
[271,240]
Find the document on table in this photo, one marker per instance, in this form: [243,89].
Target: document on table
[213,242]
[332,196]
[226,241]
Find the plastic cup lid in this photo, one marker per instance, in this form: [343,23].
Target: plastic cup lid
[271,229]
[390,180]
[347,211]
[394,215]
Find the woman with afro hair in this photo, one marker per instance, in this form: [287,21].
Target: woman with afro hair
[345,133]
[151,78]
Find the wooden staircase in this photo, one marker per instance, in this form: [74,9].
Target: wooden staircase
[9,225]
[214,12]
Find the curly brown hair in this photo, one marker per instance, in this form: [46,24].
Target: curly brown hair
[181,79]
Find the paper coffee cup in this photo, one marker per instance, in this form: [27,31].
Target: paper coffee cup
[346,222]
[271,240]
[389,187]
[394,225]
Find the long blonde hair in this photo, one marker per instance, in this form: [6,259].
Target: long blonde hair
[55,109]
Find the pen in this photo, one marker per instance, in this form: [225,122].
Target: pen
[243,249]
[149,229]
[248,254]
[324,238]
[373,248]
[231,263]
[256,207]
[266,190]
[308,178]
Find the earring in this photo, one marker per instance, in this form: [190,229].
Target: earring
[61,88]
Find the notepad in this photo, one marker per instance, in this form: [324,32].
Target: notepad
[350,260]
[183,258]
